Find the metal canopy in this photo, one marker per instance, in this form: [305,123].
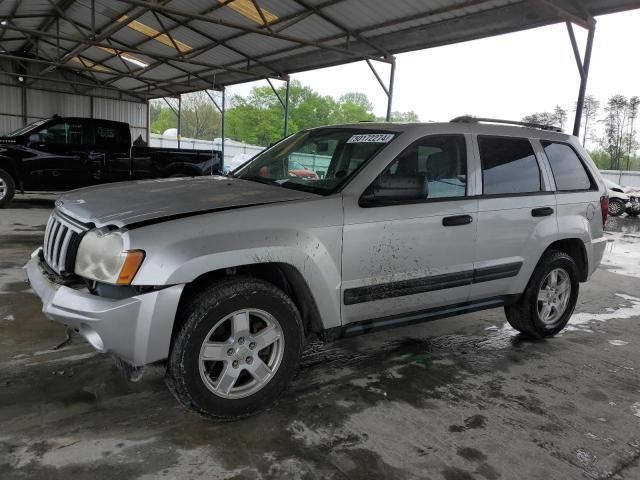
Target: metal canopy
[167,47]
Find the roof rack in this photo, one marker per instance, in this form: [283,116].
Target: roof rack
[471,119]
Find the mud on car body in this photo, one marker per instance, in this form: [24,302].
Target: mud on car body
[225,277]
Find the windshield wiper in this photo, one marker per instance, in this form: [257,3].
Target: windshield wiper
[259,179]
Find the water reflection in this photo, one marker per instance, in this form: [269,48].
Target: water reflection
[624,224]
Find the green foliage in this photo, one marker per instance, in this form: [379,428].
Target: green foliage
[600,158]
[161,117]
[258,118]
[557,118]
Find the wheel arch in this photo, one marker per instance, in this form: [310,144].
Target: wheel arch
[9,165]
[284,276]
[575,248]
[182,168]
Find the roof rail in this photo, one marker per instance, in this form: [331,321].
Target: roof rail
[471,119]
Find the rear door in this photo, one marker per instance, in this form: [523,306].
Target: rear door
[402,257]
[110,156]
[516,214]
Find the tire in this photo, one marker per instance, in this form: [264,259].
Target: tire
[527,314]
[206,386]
[616,207]
[7,188]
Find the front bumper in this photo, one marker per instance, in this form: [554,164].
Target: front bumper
[136,329]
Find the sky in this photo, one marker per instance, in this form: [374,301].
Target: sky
[507,76]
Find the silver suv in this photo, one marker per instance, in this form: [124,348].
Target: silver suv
[225,277]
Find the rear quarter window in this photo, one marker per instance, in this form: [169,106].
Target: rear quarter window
[568,170]
[509,166]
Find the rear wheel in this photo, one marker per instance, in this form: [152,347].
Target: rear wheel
[616,207]
[7,188]
[550,298]
[237,350]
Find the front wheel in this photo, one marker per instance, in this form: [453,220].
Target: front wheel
[548,302]
[7,188]
[237,350]
[616,207]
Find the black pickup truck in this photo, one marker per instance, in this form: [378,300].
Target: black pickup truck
[63,153]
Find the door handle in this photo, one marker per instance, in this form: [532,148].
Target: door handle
[541,212]
[457,220]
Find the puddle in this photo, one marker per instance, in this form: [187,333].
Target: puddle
[622,255]
[582,321]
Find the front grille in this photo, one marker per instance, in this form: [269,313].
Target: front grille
[61,239]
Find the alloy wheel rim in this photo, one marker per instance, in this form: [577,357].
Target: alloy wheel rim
[553,296]
[241,353]
[3,188]
[615,208]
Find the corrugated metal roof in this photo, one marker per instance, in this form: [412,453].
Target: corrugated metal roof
[223,42]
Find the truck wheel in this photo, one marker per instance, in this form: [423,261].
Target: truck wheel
[7,188]
[616,207]
[549,299]
[238,348]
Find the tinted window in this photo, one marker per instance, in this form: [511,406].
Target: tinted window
[567,168]
[508,166]
[441,158]
[64,133]
[106,134]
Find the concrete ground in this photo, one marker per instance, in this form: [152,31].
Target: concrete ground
[460,398]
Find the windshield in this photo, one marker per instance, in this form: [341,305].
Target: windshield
[26,128]
[331,156]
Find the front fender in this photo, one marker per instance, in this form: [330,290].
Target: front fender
[180,252]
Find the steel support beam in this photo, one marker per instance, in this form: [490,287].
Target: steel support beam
[222,110]
[284,103]
[583,69]
[392,77]
[388,90]
[286,108]
[179,118]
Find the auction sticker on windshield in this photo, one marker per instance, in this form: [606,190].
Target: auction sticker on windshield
[371,138]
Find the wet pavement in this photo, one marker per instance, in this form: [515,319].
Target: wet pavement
[460,398]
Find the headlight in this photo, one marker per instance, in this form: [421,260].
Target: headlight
[101,256]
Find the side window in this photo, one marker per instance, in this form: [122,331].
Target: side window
[108,135]
[63,133]
[568,170]
[509,165]
[440,159]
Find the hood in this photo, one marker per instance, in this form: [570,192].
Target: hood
[126,203]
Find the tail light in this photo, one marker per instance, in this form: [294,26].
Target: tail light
[604,208]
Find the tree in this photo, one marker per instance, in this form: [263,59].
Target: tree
[161,116]
[590,109]
[559,116]
[258,118]
[615,125]
[632,144]
[351,108]
[542,118]
[200,118]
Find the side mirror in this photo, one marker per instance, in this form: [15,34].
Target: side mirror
[390,189]
[34,138]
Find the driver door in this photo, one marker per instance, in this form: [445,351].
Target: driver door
[56,156]
[406,256]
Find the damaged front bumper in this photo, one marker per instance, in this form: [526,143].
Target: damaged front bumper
[136,329]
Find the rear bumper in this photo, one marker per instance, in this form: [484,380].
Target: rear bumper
[137,329]
[595,250]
